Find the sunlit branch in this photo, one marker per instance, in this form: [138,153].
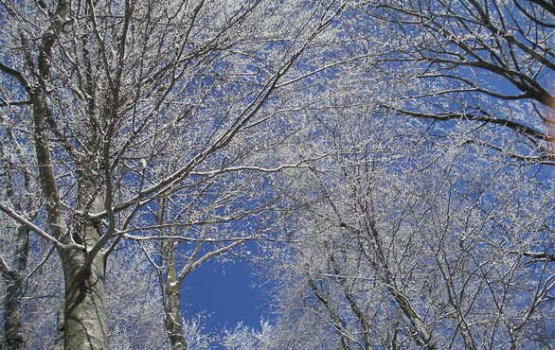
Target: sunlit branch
[299,165]
[29,225]
[547,159]
[540,256]
[190,239]
[193,265]
[518,127]
[328,66]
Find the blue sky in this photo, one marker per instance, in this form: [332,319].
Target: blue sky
[226,294]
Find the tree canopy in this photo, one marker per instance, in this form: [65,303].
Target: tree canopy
[387,164]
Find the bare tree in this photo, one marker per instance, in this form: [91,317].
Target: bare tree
[213,218]
[410,242]
[133,302]
[112,92]
[485,62]
[157,125]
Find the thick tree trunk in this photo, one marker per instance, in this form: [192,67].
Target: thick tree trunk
[85,299]
[59,340]
[84,321]
[85,303]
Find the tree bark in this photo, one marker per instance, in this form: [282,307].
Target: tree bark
[85,303]
[84,318]
[174,323]
[174,320]
[59,340]
[13,333]
[12,306]
[84,321]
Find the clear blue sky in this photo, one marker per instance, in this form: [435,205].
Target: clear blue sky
[226,294]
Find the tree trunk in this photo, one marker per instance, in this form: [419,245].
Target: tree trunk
[12,306]
[85,299]
[85,303]
[59,340]
[13,333]
[174,321]
[84,321]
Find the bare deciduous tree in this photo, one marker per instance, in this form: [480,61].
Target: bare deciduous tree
[486,62]
[408,242]
[109,93]
[159,127]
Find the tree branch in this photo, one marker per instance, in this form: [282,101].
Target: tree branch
[4,267]
[194,265]
[15,103]
[29,225]
[14,73]
[515,126]
[540,256]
